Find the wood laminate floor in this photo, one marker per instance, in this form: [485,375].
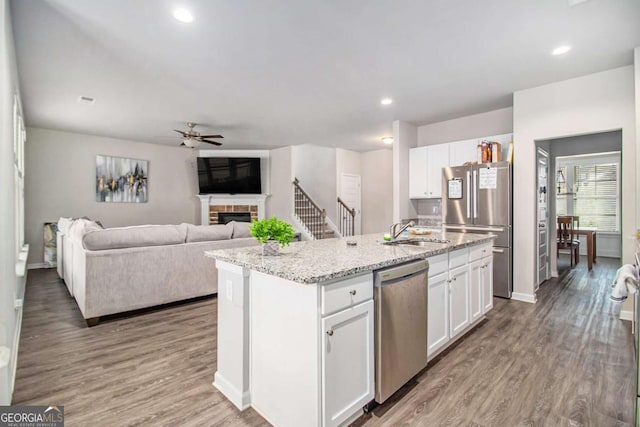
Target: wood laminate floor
[567,360]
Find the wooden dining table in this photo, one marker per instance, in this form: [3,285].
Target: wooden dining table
[590,233]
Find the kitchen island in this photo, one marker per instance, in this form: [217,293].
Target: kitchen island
[296,331]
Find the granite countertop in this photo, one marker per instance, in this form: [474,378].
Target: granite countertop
[323,260]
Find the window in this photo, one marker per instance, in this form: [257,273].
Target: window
[596,199]
[19,137]
[591,190]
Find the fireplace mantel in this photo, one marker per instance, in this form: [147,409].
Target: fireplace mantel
[207,200]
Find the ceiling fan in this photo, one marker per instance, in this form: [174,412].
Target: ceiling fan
[193,139]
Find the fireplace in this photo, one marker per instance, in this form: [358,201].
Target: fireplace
[212,205]
[225,217]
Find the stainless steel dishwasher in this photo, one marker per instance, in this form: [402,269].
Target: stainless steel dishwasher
[400,296]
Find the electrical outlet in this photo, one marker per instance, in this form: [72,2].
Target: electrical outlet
[229,290]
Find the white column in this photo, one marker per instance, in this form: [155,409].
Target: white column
[232,376]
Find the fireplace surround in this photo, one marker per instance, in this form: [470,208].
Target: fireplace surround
[211,205]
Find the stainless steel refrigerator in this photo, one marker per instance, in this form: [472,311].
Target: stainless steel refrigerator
[477,199]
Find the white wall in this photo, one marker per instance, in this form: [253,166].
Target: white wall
[315,167]
[377,191]
[279,203]
[10,287]
[636,57]
[61,182]
[405,137]
[495,122]
[595,103]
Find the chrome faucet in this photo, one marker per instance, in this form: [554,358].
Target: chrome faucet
[394,233]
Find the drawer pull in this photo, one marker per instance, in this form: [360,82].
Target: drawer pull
[352,291]
[330,332]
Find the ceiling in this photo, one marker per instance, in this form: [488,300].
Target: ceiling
[268,73]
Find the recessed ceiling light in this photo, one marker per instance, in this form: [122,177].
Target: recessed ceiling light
[561,50]
[183,15]
[387,140]
[87,100]
[386,101]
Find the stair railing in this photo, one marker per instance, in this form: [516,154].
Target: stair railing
[308,211]
[347,218]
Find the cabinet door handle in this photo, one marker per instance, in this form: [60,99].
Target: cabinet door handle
[330,332]
[352,291]
[455,278]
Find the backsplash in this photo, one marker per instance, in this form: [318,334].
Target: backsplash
[429,212]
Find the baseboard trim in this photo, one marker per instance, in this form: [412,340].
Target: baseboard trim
[39,265]
[626,315]
[532,299]
[241,400]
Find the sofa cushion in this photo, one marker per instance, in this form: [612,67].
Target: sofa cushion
[240,229]
[206,233]
[64,224]
[133,237]
[80,227]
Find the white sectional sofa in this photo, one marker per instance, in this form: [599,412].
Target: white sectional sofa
[116,270]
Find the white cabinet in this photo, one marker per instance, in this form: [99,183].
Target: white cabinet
[458,300]
[463,151]
[438,312]
[437,158]
[347,362]
[425,170]
[476,270]
[460,293]
[487,283]
[418,173]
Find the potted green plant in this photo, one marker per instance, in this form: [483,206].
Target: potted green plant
[272,233]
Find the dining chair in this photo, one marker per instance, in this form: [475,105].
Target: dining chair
[576,222]
[566,239]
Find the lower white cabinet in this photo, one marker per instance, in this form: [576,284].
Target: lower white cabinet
[459,300]
[458,297]
[438,312]
[476,289]
[487,283]
[347,363]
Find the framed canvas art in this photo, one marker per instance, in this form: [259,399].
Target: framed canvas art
[121,180]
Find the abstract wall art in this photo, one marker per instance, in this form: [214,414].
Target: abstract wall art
[121,180]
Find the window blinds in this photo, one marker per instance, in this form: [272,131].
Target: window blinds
[596,198]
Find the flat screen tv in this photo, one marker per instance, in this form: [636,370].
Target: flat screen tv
[229,175]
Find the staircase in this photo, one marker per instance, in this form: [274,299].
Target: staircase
[347,218]
[312,217]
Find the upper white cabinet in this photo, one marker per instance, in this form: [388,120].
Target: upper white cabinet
[418,173]
[461,152]
[437,158]
[426,163]
[425,170]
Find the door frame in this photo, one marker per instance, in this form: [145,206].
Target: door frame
[542,154]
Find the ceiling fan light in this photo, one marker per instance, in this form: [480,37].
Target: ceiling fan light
[191,143]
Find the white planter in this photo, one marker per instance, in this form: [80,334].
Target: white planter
[271,248]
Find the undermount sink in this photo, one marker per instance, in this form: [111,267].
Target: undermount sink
[416,242]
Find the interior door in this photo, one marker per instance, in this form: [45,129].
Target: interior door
[542,215]
[351,194]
